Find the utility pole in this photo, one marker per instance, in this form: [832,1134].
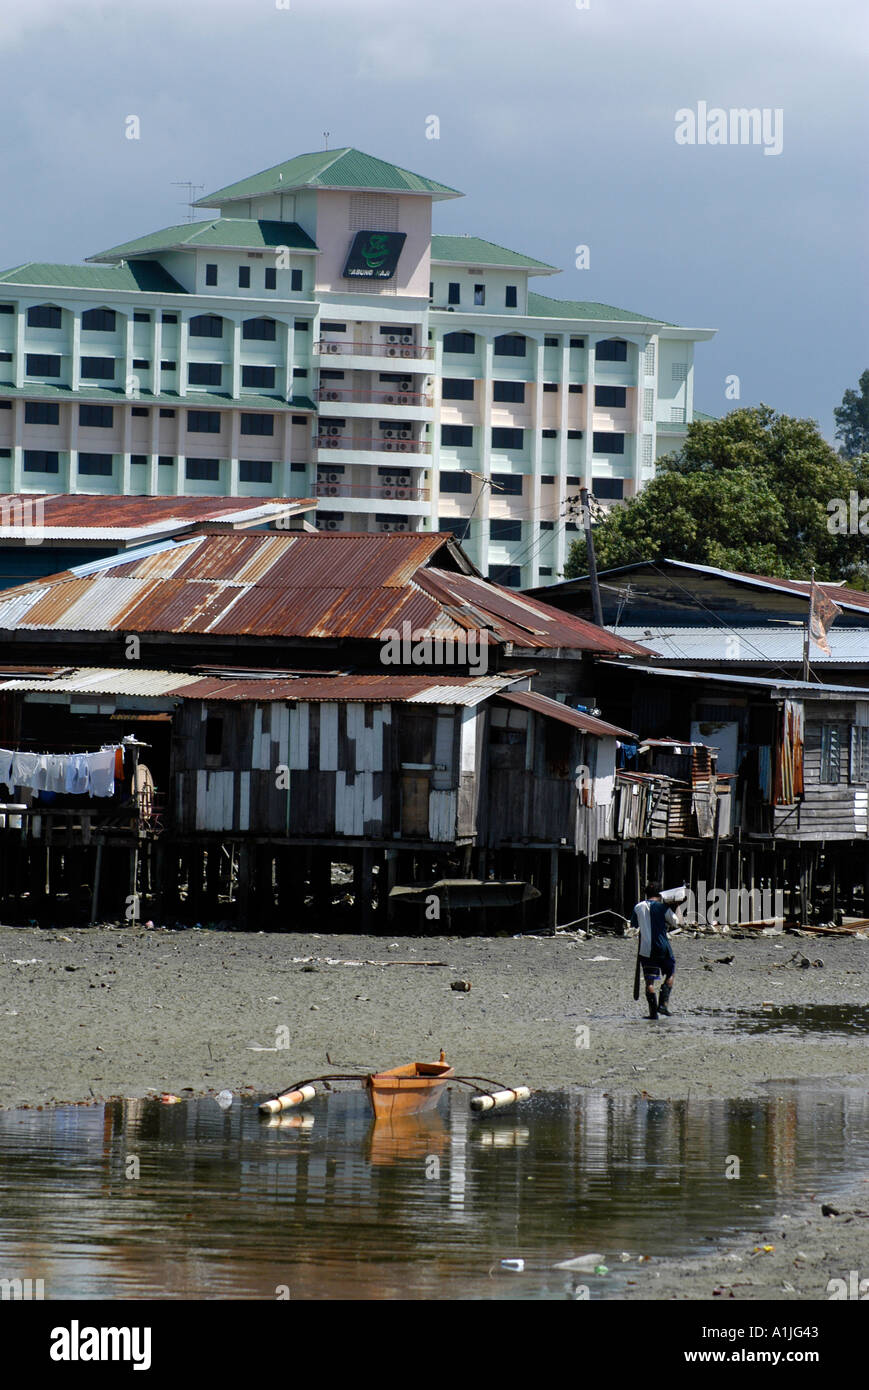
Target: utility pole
[597,610]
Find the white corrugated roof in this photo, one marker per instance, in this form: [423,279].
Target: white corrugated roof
[747,644]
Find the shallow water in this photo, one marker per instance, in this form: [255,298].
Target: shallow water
[323,1203]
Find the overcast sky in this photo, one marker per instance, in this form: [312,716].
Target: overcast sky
[558,123]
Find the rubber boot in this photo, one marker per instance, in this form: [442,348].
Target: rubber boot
[653,1003]
[663,1000]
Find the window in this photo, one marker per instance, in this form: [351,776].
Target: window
[300,419]
[327,374]
[510,345]
[545,571]
[547,478]
[298,468]
[140,410]
[302,325]
[859,754]
[574,390]
[510,298]
[479,294]
[611,395]
[168,318]
[831,752]
[204,373]
[257,424]
[550,434]
[5,453]
[42,364]
[550,385]
[244,277]
[611,350]
[138,458]
[203,422]
[457,436]
[510,484]
[5,405]
[455,482]
[254,471]
[505,530]
[649,360]
[141,363]
[43,316]
[295,279]
[206,326]
[166,414]
[203,470]
[606,442]
[507,439]
[547,525]
[508,391]
[95,465]
[394,331]
[571,481]
[574,434]
[165,460]
[506,574]
[168,366]
[550,342]
[211,275]
[141,317]
[263,329]
[454,389]
[98,320]
[577,342]
[613,488]
[100,417]
[258,376]
[7,308]
[459,342]
[679,371]
[454,292]
[271,278]
[41,413]
[332,327]
[41,461]
[5,356]
[299,372]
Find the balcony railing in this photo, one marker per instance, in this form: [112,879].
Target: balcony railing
[369,397]
[397,349]
[377,445]
[399,492]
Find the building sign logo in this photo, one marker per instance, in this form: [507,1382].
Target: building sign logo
[374,255]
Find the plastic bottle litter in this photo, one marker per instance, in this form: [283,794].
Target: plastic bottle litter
[517,1265]
[224,1099]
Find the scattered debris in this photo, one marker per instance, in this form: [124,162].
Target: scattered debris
[580,1262]
[827,1210]
[224,1099]
[461,986]
[517,1265]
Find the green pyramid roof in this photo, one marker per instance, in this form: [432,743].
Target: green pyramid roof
[345,168]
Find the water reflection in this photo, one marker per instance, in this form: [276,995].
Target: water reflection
[335,1205]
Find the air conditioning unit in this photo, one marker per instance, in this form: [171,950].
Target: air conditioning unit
[329,491]
[331,347]
[389,445]
[403,400]
[332,396]
[389,434]
[400,526]
[403,480]
[402,492]
[403,445]
[388,492]
[333,430]
[393,338]
[330,478]
[406,338]
[333,526]
[390,400]
[407,352]
[326,443]
[392,352]
[404,434]
[386,526]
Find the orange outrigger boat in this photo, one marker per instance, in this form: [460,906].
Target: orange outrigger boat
[407,1090]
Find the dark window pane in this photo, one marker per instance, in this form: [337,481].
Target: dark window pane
[577,342]
[42,364]
[550,342]
[98,320]
[257,424]
[510,300]
[608,487]
[41,461]
[254,471]
[98,368]
[459,342]
[204,373]
[263,329]
[258,376]
[206,326]
[203,421]
[211,275]
[203,470]
[508,391]
[502,530]
[96,416]
[271,280]
[43,316]
[168,318]
[244,277]
[457,436]
[611,350]
[510,345]
[606,442]
[510,575]
[611,395]
[166,414]
[454,389]
[41,413]
[95,465]
[455,482]
[295,279]
[454,293]
[141,317]
[508,484]
[140,410]
[507,439]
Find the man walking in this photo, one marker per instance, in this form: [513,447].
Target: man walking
[652,917]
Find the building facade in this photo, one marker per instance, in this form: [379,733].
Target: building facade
[313,337]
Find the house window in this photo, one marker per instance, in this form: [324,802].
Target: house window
[574,434]
[510,345]
[859,753]
[679,371]
[611,350]
[43,316]
[203,470]
[606,442]
[510,575]
[299,372]
[5,356]
[454,292]
[166,414]
[100,417]
[577,342]
[42,364]
[612,488]
[140,410]
[831,752]
[244,277]
[549,434]
[271,277]
[457,436]
[332,327]
[302,325]
[211,275]
[611,395]
[168,318]
[95,465]
[507,439]
[509,484]
[459,342]
[41,461]
[547,478]
[574,390]
[257,424]
[206,326]
[455,482]
[300,420]
[510,297]
[41,413]
[295,279]
[139,458]
[545,571]
[213,735]
[500,530]
[550,385]
[141,317]
[98,320]
[254,471]
[547,525]
[513,391]
[98,368]
[165,460]
[298,468]
[258,376]
[454,389]
[203,422]
[479,294]
[204,373]
[141,363]
[169,366]
[7,308]
[262,329]
[550,342]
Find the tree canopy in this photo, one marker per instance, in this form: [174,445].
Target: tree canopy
[753,491]
[852,420]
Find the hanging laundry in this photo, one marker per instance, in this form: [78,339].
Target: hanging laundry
[77,774]
[101,772]
[6,767]
[55,772]
[119,764]
[24,767]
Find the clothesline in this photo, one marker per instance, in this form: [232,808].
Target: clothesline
[72,774]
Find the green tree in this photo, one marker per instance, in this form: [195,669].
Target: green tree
[751,492]
[852,420]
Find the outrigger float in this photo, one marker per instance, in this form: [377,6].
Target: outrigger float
[407,1090]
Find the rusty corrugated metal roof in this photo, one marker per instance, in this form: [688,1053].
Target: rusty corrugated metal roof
[80,516]
[554,709]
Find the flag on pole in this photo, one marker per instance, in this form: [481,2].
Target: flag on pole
[822,614]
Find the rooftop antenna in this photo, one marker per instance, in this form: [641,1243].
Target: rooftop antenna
[326,134]
[192,189]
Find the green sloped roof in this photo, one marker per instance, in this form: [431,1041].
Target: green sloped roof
[344,168]
[473,250]
[200,400]
[541,306]
[243,232]
[148,276]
